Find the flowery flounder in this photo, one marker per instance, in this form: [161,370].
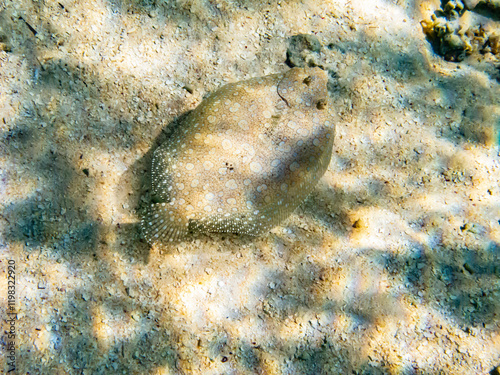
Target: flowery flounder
[244,159]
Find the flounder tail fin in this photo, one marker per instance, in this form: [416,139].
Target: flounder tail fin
[161,223]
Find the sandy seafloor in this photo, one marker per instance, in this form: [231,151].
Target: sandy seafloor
[391,266]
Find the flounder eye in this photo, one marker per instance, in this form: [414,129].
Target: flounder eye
[321,104]
[307,80]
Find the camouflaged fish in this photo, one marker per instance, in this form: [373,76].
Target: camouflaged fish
[244,159]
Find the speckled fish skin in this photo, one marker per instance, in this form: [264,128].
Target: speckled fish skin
[244,159]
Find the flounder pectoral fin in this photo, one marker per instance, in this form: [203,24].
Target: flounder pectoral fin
[163,223]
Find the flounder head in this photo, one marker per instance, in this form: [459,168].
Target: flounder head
[304,88]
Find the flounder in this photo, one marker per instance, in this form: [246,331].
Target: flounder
[244,159]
